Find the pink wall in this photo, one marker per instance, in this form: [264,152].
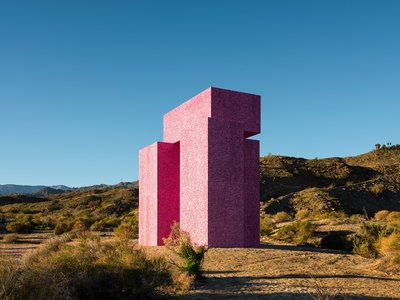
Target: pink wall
[216,178]
[158,192]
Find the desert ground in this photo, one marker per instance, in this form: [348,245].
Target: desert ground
[272,271]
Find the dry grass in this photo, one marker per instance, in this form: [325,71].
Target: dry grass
[382,215]
[88,268]
[282,217]
[10,238]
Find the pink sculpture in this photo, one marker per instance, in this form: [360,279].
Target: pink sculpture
[205,175]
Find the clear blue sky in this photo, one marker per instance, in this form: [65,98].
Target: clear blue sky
[84,84]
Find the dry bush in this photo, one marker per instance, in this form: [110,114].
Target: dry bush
[393,216]
[10,238]
[20,226]
[86,269]
[129,229]
[302,214]
[389,247]
[382,215]
[377,189]
[9,274]
[357,218]
[266,225]
[282,216]
[298,232]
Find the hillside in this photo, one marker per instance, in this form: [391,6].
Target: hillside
[102,208]
[356,185]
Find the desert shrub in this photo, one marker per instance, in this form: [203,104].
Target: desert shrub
[98,226]
[377,189]
[87,269]
[266,225]
[62,227]
[381,215]
[20,226]
[302,214]
[364,243]
[82,224]
[9,274]
[393,216]
[357,218]
[126,231]
[298,232]
[282,216]
[192,255]
[10,238]
[389,247]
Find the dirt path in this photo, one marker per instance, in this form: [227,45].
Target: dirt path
[287,272]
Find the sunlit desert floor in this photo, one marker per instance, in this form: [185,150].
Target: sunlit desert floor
[273,271]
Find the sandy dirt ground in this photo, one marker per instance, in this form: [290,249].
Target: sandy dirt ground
[278,271]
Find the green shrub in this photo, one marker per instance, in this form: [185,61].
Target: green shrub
[266,225]
[20,227]
[298,232]
[192,255]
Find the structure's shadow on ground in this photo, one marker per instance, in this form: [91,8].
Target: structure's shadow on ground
[300,248]
[240,287]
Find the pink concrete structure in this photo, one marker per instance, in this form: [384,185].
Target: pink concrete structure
[205,175]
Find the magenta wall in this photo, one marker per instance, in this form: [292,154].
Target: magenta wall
[212,171]
[158,192]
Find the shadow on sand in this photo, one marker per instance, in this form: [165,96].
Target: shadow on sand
[240,287]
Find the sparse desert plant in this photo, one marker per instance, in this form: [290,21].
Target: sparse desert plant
[87,269]
[389,247]
[9,275]
[298,232]
[282,216]
[357,218]
[321,292]
[266,225]
[393,216]
[377,189]
[98,226]
[20,226]
[126,231]
[10,238]
[364,243]
[381,215]
[192,255]
[62,227]
[302,214]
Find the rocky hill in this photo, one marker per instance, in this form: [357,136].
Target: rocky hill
[356,185]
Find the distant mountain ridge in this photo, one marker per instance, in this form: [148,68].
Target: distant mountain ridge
[9,189]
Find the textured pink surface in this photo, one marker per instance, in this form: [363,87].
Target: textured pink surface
[217,173]
[159,192]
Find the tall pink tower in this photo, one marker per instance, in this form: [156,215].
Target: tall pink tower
[205,175]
